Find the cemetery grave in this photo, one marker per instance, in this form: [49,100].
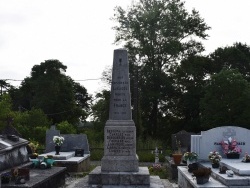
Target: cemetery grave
[74,152]
[16,170]
[232,172]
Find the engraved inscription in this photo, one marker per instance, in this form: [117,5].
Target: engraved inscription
[120,141]
[119,99]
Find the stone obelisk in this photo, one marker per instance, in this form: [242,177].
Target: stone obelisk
[119,165]
[120,131]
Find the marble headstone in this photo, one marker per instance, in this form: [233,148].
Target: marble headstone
[210,140]
[120,131]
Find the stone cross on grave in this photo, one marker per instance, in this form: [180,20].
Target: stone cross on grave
[156,152]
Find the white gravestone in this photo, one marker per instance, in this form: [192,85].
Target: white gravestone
[211,140]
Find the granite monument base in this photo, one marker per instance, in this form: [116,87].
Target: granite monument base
[99,177]
[120,164]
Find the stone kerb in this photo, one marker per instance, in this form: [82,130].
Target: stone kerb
[210,140]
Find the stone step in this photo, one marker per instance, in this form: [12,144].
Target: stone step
[99,177]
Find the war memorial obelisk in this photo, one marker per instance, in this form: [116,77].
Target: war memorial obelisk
[119,165]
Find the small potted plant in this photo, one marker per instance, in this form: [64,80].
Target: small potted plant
[202,175]
[230,148]
[177,156]
[190,157]
[214,158]
[246,158]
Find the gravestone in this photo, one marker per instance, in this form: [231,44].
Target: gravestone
[119,165]
[71,141]
[210,140]
[185,140]
[120,130]
[50,146]
[75,141]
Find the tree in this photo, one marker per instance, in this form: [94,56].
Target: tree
[49,89]
[157,34]
[4,87]
[191,77]
[226,100]
[236,56]
[5,109]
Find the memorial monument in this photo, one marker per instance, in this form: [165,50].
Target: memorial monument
[119,166]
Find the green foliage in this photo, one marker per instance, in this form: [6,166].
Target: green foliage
[96,154]
[51,90]
[66,128]
[32,125]
[5,109]
[158,170]
[226,100]
[158,34]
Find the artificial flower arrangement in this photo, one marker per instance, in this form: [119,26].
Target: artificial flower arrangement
[230,146]
[191,156]
[214,157]
[58,140]
[246,158]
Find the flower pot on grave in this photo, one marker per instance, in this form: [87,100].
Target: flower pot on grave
[233,155]
[215,165]
[57,148]
[192,167]
[177,158]
[202,179]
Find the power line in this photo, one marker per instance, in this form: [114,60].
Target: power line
[89,79]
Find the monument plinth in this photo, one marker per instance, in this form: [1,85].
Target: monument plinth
[119,165]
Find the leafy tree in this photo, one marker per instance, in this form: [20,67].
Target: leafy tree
[4,87]
[191,77]
[158,34]
[49,89]
[100,113]
[226,100]
[236,56]
[32,125]
[66,128]
[5,109]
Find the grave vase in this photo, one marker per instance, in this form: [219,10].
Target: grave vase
[177,158]
[215,165]
[57,149]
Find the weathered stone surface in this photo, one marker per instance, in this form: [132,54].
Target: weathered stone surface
[12,153]
[120,131]
[120,178]
[120,100]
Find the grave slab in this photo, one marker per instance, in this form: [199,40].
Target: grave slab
[186,180]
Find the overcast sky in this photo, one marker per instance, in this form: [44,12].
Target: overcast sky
[78,33]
